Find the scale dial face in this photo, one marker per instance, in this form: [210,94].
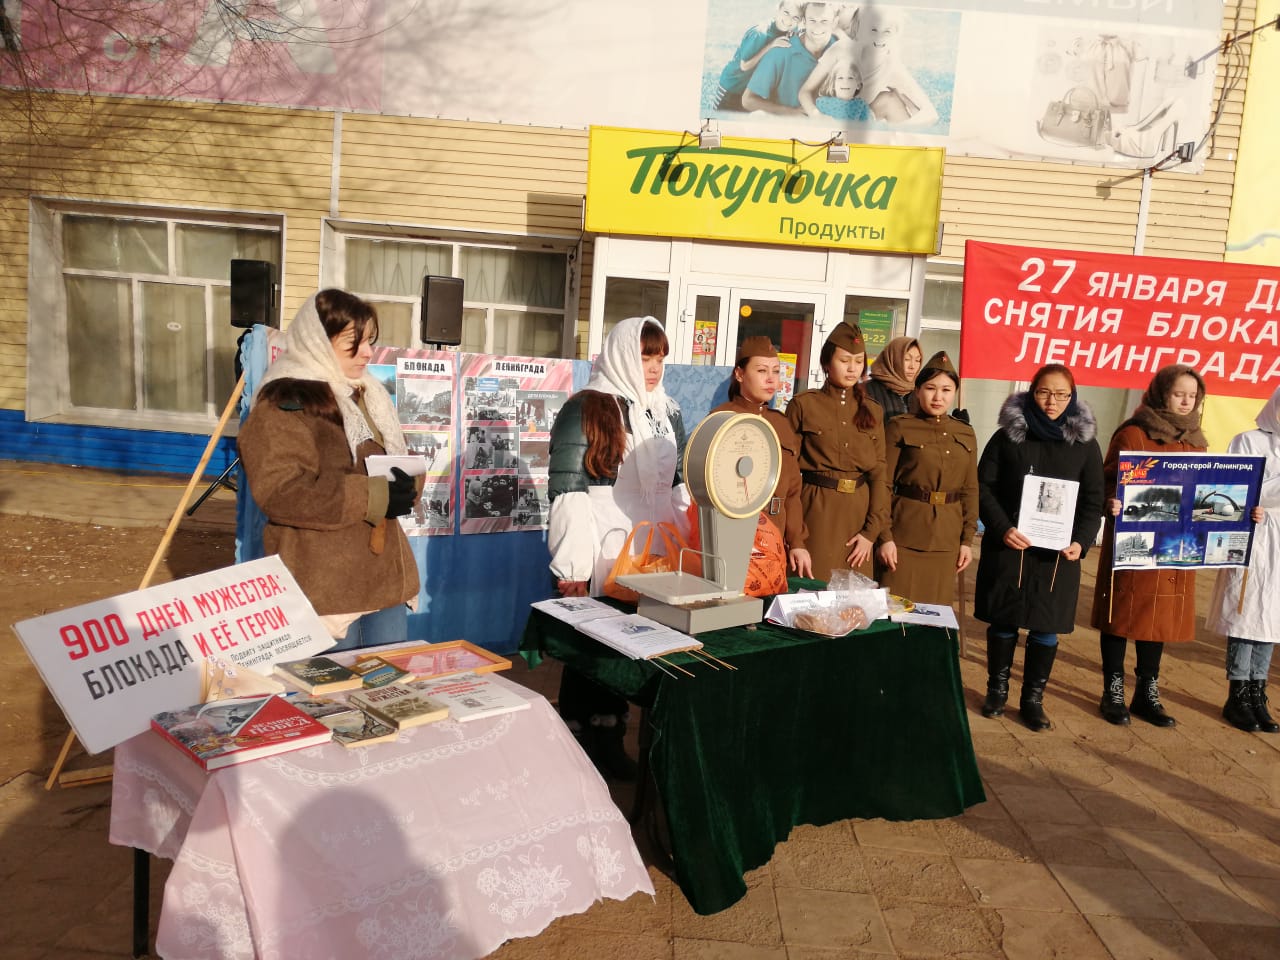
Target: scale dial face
[732,463]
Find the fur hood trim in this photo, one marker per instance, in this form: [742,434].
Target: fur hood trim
[1080,428]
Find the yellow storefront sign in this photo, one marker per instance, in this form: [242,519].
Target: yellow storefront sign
[660,184]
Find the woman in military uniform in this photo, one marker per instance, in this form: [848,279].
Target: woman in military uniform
[755,382]
[931,464]
[841,459]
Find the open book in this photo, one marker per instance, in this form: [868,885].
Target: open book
[638,637]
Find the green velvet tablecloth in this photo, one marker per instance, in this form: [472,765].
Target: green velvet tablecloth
[807,730]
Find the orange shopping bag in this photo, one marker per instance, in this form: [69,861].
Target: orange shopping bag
[646,561]
[767,570]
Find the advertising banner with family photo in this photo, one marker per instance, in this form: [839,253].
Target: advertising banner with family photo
[1115,319]
[1118,84]
[508,407]
[1185,510]
[113,664]
[421,382]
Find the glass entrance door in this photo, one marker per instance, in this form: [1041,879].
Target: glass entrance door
[720,318]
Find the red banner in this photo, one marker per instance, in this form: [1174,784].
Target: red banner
[1115,320]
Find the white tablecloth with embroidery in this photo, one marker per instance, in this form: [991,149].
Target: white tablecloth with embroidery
[444,844]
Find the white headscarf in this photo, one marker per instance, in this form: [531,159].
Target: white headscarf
[309,356]
[619,370]
[1269,419]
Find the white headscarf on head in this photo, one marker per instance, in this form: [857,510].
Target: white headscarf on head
[619,370]
[309,356]
[1268,420]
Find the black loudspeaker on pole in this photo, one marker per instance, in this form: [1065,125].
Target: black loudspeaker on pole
[442,311]
[253,293]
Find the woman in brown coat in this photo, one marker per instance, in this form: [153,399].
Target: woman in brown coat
[756,377]
[318,414]
[1151,607]
[841,459]
[931,463]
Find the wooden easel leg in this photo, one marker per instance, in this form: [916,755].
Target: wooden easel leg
[62,758]
[161,550]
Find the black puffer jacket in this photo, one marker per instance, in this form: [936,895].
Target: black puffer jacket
[1021,588]
[569,448]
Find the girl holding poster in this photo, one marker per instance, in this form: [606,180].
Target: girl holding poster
[1151,607]
[1244,608]
[1046,432]
[615,461]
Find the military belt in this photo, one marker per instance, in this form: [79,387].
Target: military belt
[842,484]
[935,497]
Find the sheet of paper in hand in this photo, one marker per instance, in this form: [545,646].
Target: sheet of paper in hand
[1047,514]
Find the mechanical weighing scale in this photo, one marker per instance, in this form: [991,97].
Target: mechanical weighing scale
[731,466]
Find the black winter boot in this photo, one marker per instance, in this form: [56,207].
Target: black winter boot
[1000,651]
[1146,703]
[1035,677]
[1238,710]
[1112,705]
[1265,722]
[609,756]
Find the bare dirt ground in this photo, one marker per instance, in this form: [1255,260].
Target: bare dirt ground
[48,565]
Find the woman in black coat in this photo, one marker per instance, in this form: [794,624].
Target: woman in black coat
[1049,432]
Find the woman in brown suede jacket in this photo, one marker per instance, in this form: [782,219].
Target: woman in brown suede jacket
[316,417]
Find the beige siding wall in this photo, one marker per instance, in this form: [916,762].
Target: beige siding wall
[466,176]
[168,154]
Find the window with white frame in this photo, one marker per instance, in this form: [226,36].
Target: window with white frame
[515,301]
[140,308]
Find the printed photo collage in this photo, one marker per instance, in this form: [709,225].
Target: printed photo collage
[495,433]
[1173,515]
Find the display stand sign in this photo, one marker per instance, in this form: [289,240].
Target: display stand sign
[508,407]
[422,384]
[1047,514]
[113,664]
[1188,510]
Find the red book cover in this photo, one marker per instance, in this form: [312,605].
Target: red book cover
[224,732]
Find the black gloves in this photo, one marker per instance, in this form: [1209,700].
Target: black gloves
[401,492]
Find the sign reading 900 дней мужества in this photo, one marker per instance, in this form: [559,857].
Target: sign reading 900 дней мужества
[658,183]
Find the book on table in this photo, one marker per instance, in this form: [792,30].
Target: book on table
[378,672]
[318,675]
[399,706]
[576,609]
[637,637]
[470,696]
[357,729]
[324,709]
[225,732]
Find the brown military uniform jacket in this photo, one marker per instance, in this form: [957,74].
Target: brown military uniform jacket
[784,510]
[931,454]
[832,447]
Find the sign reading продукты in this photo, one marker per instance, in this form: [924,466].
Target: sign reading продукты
[113,664]
[1185,510]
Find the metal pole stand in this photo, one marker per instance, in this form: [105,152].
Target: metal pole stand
[223,480]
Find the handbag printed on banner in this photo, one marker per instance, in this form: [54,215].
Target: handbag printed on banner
[767,569]
[1077,120]
[646,561]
